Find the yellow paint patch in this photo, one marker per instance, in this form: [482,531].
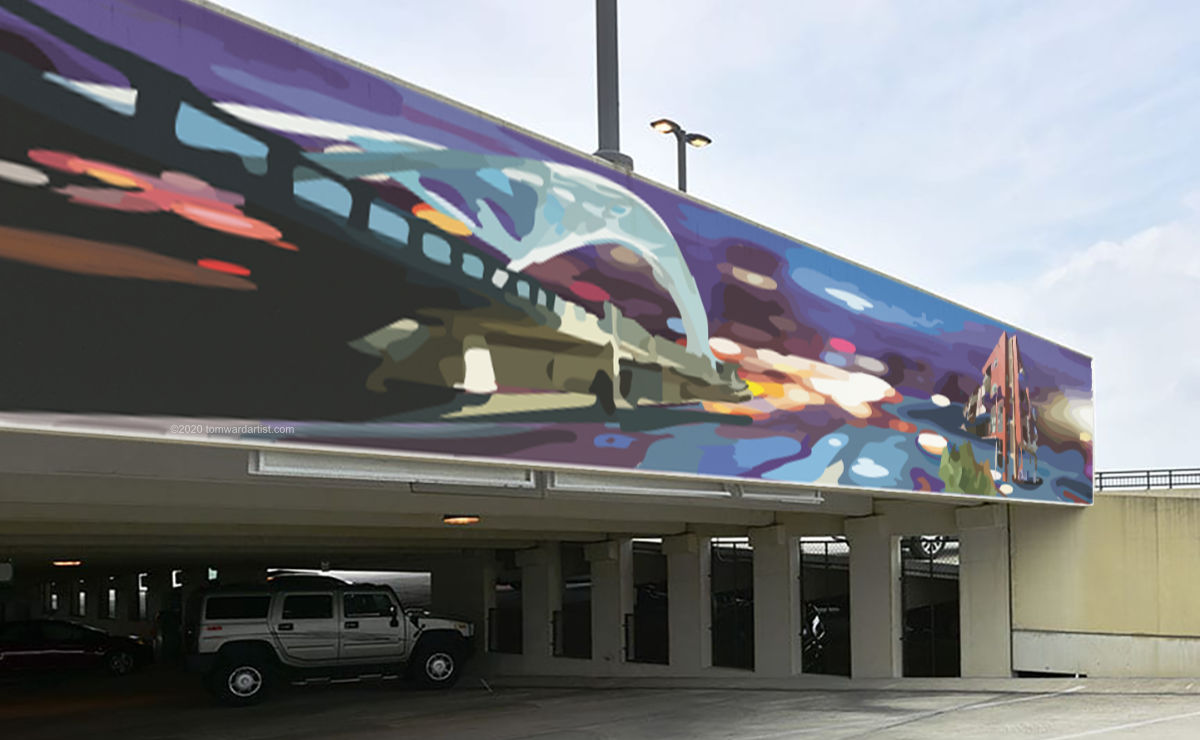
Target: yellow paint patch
[442,221]
[108,177]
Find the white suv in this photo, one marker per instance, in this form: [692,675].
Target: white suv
[244,639]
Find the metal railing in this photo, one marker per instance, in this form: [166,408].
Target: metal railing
[1144,480]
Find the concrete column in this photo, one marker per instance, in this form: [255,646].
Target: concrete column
[194,579]
[158,593]
[689,602]
[96,586]
[466,587]
[612,598]
[875,609]
[541,596]
[776,602]
[984,592]
[127,594]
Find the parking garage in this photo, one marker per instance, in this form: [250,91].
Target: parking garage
[671,580]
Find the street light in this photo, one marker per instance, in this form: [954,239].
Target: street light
[667,126]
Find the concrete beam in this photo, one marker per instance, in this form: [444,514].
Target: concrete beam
[910,518]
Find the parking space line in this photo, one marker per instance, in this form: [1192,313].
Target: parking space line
[1127,726]
[1002,702]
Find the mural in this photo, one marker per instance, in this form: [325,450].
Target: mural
[201,221]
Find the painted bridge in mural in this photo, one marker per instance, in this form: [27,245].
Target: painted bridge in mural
[511,322]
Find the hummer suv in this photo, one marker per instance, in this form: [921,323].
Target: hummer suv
[245,639]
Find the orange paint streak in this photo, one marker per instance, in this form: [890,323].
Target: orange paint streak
[228,268]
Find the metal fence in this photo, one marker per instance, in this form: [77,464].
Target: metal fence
[1144,480]
[825,605]
[930,598]
[732,592]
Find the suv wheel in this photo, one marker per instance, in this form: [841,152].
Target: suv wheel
[239,682]
[436,664]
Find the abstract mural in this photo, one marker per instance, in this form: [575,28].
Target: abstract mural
[200,220]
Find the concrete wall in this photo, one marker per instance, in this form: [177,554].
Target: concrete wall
[1111,590]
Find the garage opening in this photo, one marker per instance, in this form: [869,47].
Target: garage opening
[646,636]
[505,631]
[573,623]
[732,577]
[825,605]
[414,588]
[929,594]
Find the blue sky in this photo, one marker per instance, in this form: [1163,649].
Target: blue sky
[1037,161]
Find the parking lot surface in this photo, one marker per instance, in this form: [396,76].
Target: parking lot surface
[163,704]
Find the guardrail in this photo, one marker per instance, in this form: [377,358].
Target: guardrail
[1144,480]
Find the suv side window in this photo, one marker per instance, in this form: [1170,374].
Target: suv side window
[372,604]
[308,606]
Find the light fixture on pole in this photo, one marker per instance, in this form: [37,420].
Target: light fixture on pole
[667,126]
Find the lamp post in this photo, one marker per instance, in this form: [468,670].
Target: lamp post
[667,126]
[607,94]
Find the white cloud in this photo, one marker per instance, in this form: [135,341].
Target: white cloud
[868,468]
[1134,305]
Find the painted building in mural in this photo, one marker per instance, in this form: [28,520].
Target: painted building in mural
[202,221]
[1000,410]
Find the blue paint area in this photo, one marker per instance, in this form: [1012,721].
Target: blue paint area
[614,441]
[834,358]
[553,211]
[806,470]
[675,324]
[200,130]
[472,266]
[389,223]
[879,464]
[750,453]
[687,450]
[496,179]
[330,195]
[436,248]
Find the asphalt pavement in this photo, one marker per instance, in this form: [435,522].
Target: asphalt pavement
[160,703]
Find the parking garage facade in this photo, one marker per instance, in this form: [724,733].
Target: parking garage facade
[333,323]
[116,533]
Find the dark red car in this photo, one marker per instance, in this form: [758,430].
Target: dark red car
[56,645]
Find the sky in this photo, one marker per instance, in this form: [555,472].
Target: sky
[1036,161]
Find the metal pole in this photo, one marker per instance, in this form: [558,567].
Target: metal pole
[681,147]
[607,93]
